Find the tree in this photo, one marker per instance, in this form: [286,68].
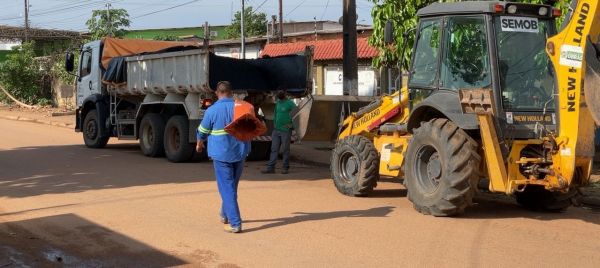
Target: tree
[166,37]
[99,27]
[255,24]
[403,15]
[21,74]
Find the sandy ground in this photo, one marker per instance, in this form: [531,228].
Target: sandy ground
[62,204]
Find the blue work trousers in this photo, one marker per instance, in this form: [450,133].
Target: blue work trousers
[228,177]
[280,139]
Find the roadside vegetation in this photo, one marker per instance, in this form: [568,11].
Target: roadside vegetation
[29,77]
[403,15]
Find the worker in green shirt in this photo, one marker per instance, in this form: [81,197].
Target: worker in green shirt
[282,133]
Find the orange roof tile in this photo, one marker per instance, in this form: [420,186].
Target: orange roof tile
[324,49]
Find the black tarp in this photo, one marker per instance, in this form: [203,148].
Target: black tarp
[268,74]
[116,73]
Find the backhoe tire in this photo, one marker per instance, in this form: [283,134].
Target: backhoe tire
[177,146]
[91,131]
[355,166]
[538,199]
[152,129]
[441,168]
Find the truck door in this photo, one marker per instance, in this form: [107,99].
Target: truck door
[88,82]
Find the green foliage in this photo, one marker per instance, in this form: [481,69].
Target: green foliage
[163,37]
[99,26]
[57,68]
[254,24]
[402,13]
[21,74]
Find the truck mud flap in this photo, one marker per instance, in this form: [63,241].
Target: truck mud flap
[592,79]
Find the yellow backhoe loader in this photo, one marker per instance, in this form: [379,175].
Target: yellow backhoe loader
[496,95]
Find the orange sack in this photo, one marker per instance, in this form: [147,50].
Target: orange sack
[245,125]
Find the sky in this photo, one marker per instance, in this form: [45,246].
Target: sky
[152,14]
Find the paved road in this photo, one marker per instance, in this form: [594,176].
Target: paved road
[63,204]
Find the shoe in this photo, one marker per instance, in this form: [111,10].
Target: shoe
[285,171]
[224,220]
[233,230]
[267,171]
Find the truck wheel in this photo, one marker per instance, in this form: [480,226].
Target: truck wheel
[259,151]
[177,147]
[441,168]
[91,131]
[152,129]
[537,198]
[355,166]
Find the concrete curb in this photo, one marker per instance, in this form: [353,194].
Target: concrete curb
[37,121]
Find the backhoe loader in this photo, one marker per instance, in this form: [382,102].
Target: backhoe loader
[497,97]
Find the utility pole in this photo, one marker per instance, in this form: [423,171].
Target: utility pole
[206,35]
[26,20]
[243,30]
[109,22]
[280,21]
[350,61]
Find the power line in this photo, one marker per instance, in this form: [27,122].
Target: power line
[325,10]
[165,9]
[259,6]
[294,9]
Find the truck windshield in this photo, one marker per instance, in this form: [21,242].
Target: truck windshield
[526,74]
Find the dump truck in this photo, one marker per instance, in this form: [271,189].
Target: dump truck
[497,98]
[156,92]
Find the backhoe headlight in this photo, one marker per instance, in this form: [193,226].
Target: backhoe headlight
[543,11]
[511,9]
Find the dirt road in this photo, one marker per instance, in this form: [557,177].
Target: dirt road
[62,204]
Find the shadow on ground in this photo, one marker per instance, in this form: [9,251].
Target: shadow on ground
[32,171]
[300,217]
[489,206]
[71,241]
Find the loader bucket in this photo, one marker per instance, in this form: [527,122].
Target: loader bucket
[318,117]
[591,87]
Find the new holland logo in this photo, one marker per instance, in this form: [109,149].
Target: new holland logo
[368,117]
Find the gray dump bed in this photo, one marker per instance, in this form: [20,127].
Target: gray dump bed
[173,72]
[197,71]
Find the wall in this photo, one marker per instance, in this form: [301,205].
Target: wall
[252,51]
[63,95]
[329,78]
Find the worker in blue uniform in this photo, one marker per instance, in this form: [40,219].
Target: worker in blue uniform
[228,154]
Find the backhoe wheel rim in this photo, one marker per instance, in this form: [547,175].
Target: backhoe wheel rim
[349,167]
[429,168]
[91,129]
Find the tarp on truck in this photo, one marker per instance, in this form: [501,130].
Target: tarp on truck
[114,47]
[269,74]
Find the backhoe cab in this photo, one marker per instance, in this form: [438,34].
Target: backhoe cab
[486,103]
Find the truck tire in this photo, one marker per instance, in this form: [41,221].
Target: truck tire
[152,129]
[91,131]
[177,147]
[441,168]
[259,151]
[355,166]
[538,199]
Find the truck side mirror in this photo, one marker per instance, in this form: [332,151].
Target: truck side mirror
[388,33]
[69,62]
